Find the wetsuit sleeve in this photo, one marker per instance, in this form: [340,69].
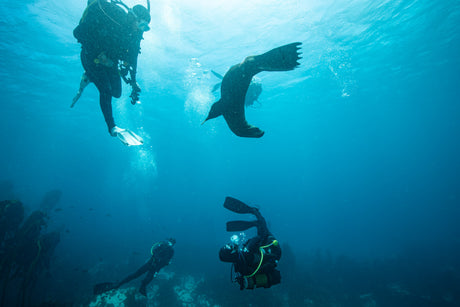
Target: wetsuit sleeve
[229,253]
[132,55]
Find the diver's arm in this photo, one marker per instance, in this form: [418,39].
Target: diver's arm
[133,53]
[132,62]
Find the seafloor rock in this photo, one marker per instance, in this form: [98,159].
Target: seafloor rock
[187,294]
[185,288]
[368,300]
[398,289]
[126,297]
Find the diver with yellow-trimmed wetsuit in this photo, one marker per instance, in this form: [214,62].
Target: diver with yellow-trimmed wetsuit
[255,260]
[162,253]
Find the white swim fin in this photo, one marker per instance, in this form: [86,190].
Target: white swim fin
[127,137]
[83,83]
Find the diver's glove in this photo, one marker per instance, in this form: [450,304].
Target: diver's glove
[135,93]
[124,69]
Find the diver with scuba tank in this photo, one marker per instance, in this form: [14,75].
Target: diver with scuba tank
[162,253]
[110,34]
[255,260]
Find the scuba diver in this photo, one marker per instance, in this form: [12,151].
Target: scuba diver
[253,93]
[162,253]
[255,260]
[110,34]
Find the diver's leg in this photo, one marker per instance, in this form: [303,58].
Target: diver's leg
[115,82]
[148,278]
[87,61]
[100,76]
[238,206]
[105,101]
[135,275]
[262,229]
[279,59]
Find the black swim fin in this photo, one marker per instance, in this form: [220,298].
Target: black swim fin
[240,225]
[103,287]
[237,206]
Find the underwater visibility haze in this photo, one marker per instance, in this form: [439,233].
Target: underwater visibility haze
[357,173]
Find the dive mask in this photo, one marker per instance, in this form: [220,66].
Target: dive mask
[142,25]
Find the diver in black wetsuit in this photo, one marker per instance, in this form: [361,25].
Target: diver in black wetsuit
[110,39]
[162,253]
[254,261]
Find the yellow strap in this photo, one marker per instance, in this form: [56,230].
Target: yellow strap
[274,242]
[153,247]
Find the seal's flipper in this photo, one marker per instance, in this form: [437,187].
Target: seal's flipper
[237,206]
[240,225]
[241,128]
[279,59]
[216,87]
[103,287]
[216,110]
[217,74]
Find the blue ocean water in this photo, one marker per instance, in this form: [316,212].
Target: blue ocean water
[360,156]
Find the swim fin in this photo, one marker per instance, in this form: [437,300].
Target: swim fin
[83,83]
[240,225]
[127,137]
[237,206]
[103,287]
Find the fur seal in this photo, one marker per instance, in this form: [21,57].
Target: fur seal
[253,93]
[236,82]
